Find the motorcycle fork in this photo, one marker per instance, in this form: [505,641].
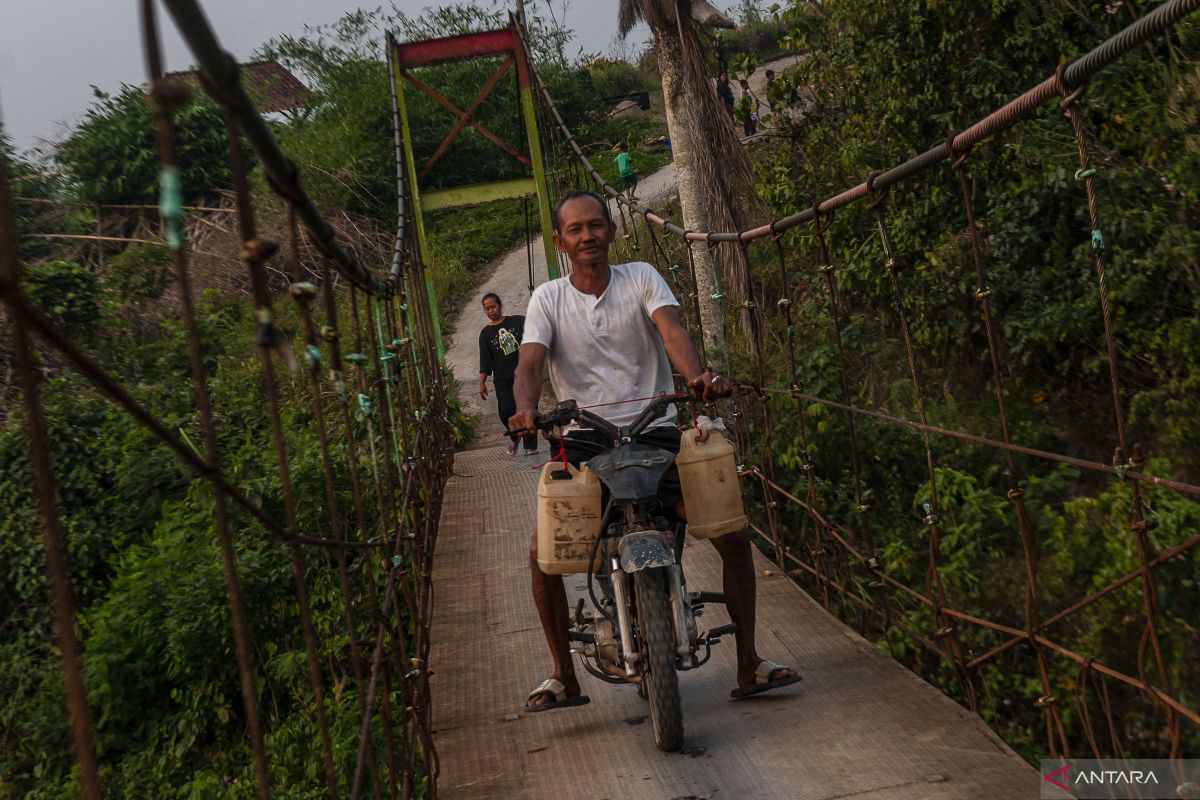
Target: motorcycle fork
[629,653]
[622,597]
[681,607]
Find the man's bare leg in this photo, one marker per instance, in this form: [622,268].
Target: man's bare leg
[738,582]
[550,597]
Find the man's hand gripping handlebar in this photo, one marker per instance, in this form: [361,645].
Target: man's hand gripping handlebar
[524,423]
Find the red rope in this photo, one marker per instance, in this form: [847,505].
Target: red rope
[637,399]
[562,453]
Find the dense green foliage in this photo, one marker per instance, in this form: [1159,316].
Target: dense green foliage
[111,157]
[146,573]
[29,183]
[613,77]
[883,81]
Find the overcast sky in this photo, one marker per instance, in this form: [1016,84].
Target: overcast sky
[53,51]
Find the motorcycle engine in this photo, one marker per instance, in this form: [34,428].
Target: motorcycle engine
[607,649]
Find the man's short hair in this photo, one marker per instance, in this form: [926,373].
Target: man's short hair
[575,194]
[493,296]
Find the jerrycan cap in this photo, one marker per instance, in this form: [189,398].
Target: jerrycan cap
[560,475]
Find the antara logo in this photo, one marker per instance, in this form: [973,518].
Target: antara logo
[1116,778]
[1050,778]
[1112,777]
[1061,777]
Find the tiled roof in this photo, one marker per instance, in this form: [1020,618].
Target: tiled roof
[268,83]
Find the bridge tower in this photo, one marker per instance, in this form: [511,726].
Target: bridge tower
[403,60]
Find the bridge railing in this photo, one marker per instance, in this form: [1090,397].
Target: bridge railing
[815,503]
[376,414]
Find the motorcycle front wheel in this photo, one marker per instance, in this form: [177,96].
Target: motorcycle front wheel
[658,641]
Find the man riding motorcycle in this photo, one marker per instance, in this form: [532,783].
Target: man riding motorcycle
[611,333]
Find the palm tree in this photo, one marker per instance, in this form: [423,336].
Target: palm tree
[716,181]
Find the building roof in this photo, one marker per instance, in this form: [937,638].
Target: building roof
[269,84]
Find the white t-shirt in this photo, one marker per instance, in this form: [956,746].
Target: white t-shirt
[604,349]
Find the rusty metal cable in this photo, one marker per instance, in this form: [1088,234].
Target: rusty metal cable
[413,442]
[1055,730]
[45,490]
[1139,525]
[163,106]
[934,585]
[221,76]
[1022,107]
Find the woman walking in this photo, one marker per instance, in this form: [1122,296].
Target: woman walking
[499,343]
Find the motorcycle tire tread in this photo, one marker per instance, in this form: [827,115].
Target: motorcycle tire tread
[662,682]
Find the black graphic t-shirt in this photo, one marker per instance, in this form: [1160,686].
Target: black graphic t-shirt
[499,346]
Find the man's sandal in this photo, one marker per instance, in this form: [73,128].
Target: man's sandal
[554,688]
[763,681]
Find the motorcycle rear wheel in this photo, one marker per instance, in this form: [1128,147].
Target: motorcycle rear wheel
[658,639]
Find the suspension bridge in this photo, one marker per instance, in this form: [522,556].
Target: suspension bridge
[426,548]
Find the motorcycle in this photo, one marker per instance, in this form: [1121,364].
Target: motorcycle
[642,627]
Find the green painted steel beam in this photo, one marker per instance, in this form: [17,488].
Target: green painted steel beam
[535,156]
[474,194]
[414,192]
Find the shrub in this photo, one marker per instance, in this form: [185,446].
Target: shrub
[141,272]
[111,156]
[65,292]
[613,77]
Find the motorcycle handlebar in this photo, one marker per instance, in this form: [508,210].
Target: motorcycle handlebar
[568,411]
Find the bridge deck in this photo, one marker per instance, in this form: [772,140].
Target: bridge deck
[859,725]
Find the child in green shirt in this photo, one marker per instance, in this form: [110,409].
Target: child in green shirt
[629,178]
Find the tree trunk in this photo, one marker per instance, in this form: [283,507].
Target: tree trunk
[716,181]
[712,326]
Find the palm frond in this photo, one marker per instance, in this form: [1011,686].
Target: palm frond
[629,14]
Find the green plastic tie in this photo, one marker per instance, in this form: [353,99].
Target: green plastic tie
[312,357]
[387,357]
[365,406]
[1097,241]
[1082,173]
[170,205]
[356,358]
[339,383]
